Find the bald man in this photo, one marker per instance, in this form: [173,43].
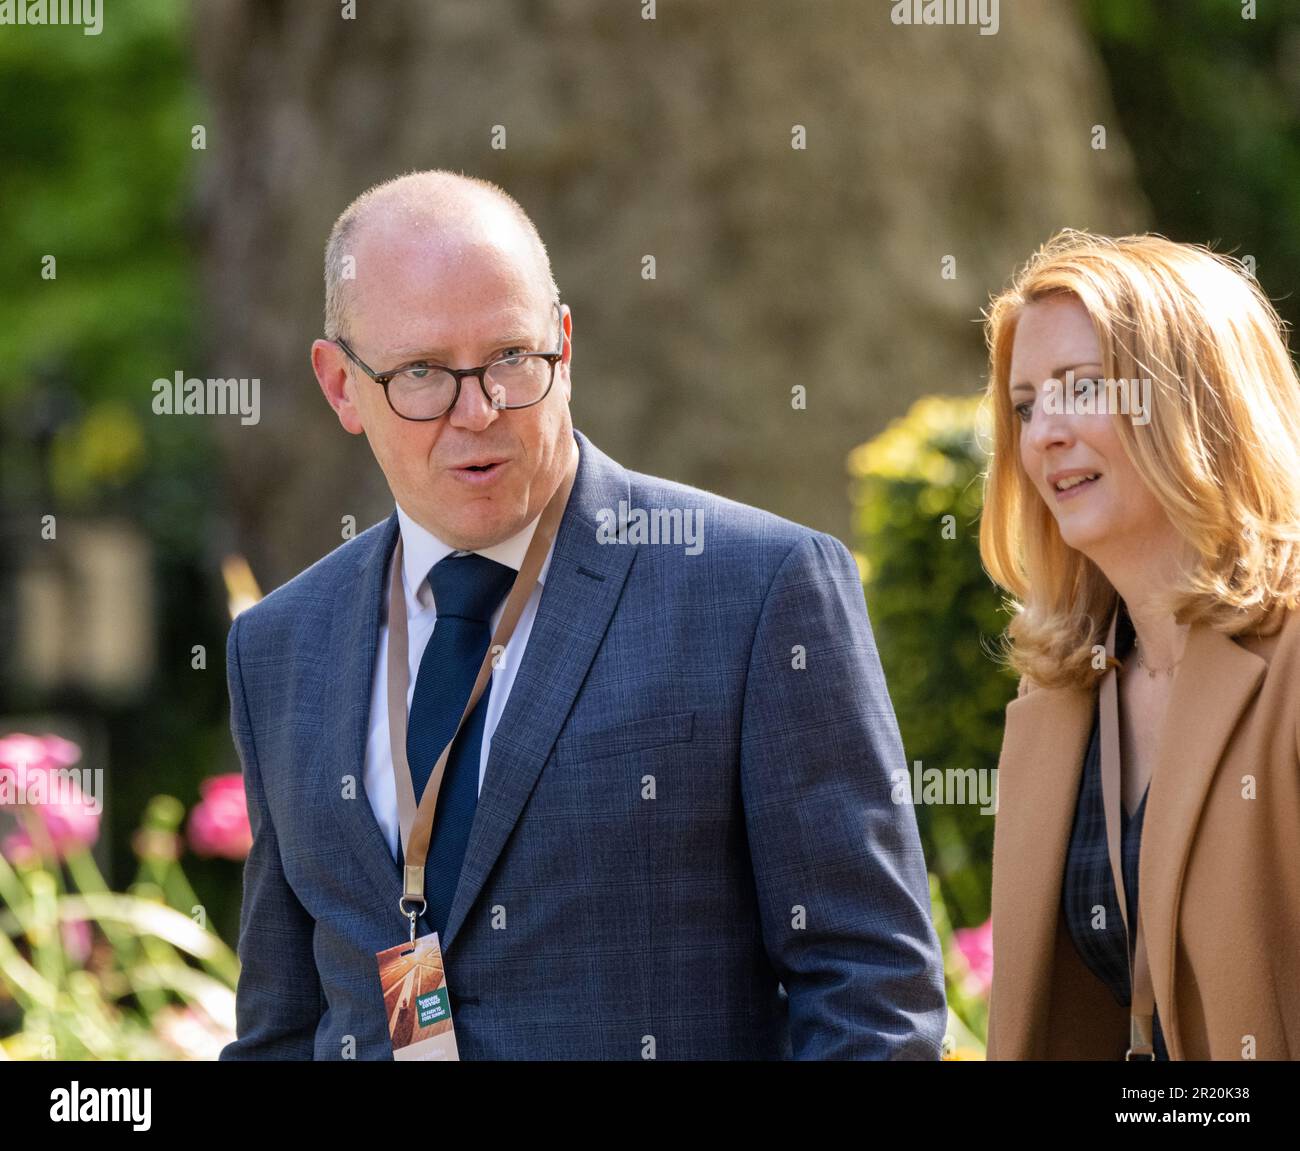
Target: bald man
[665,829]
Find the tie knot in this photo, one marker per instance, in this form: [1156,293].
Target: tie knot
[469,586]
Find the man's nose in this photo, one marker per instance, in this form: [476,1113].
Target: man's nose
[472,409]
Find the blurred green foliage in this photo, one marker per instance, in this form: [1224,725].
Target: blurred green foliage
[96,142]
[95,138]
[936,617]
[1210,104]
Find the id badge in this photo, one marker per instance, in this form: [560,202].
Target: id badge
[416,999]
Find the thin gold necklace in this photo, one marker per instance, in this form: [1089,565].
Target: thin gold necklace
[1152,672]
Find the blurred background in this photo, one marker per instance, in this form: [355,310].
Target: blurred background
[738,199]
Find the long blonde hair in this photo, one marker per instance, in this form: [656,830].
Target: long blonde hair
[1221,451]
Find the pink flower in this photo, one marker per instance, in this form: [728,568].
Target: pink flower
[191,1033]
[76,940]
[219,822]
[17,848]
[29,777]
[976,947]
[20,751]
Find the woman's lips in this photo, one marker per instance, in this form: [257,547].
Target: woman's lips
[1077,489]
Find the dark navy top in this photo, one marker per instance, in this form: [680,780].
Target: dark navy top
[1088,881]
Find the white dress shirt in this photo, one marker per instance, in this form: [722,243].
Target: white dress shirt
[420,551]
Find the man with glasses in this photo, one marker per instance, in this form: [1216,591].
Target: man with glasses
[660,820]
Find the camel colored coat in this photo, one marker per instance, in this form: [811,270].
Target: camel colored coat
[1219,877]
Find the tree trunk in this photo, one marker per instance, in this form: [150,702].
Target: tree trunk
[775,265]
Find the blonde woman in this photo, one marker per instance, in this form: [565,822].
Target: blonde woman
[1142,510]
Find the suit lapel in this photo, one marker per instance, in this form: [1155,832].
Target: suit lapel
[582,588]
[354,638]
[1216,680]
[1042,760]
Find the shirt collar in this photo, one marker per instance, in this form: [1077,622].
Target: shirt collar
[421,549]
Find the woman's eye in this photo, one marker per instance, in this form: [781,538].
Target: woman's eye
[1084,386]
[1023,411]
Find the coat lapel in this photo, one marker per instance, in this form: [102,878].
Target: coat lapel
[1042,760]
[582,588]
[1215,681]
[354,638]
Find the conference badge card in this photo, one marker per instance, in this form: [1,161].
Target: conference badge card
[414,983]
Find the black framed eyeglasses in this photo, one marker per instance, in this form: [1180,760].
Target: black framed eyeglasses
[424,391]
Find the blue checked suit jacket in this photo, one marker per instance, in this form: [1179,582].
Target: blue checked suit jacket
[769,901]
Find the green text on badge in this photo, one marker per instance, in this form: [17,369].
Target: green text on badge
[432,1007]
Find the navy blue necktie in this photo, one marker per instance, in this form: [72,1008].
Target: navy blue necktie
[467,589]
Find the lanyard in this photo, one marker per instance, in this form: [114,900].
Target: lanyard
[417,823]
[1142,1001]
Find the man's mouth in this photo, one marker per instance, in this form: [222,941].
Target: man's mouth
[480,471]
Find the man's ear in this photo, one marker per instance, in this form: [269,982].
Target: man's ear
[330,364]
[566,321]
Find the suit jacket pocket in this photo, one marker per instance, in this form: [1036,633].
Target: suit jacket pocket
[622,736]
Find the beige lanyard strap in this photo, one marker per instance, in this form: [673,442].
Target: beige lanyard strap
[1142,996]
[417,823]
